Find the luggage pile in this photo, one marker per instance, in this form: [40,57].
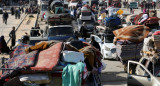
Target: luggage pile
[129,40]
[151,47]
[52,64]
[60,19]
[152,21]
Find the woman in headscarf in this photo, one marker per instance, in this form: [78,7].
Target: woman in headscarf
[4,47]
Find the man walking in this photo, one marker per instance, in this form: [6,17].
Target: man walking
[154,5]
[12,34]
[16,14]
[5,17]
[12,10]
[19,13]
[83,30]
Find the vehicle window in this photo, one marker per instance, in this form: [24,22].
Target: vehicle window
[60,31]
[44,7]
[138,70]
[86,13]
[97,39]
[144,61]
[109,39]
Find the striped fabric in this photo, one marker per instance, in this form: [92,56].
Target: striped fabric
[135,33]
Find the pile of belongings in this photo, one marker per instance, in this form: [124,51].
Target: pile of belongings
[128,41]
[153,20]
[52,62]
[64,18]
[151,46]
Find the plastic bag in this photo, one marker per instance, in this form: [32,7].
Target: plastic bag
[72,56]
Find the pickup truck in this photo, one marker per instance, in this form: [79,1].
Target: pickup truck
[61,32]
[57,32]
[146,72]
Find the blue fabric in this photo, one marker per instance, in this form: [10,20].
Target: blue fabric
[112,21]
[71,74]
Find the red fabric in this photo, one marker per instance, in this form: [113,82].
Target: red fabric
[49,58]
[152,20]
[156,33]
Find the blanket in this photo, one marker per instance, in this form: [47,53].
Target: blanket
[136,19]
[41,46]
[92,57]
[20,62]
[19,50]
[48,58]
[135,33]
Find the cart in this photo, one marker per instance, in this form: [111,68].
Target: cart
[55,75]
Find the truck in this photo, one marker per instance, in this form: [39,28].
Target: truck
[86,14]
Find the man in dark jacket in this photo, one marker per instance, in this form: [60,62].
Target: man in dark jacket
[5,17]
[12,34]
[12,10]
[94,43]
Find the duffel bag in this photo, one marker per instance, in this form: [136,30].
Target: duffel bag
[73,56]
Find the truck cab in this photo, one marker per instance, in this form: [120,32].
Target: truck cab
[61,32]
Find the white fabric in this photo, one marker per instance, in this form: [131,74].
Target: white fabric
[143,18]
[72,56]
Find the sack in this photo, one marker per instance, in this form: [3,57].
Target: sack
[35,78]
[72,56]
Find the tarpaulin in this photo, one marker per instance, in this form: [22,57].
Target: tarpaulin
[135,33]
